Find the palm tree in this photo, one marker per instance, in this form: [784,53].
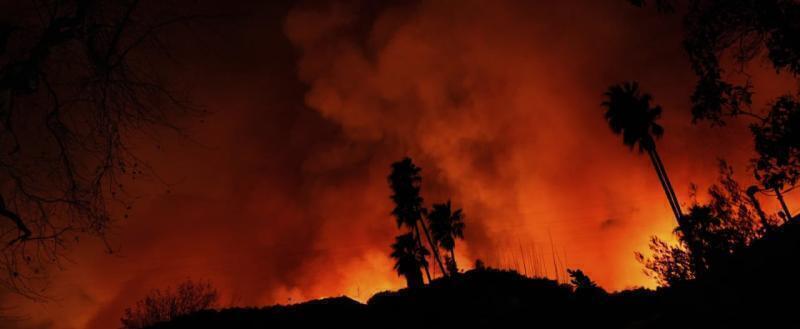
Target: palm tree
[628,113]
[409,257]
[447,226]
[405,182]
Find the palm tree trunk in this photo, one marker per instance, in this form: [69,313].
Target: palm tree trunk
[694,250]
[433,246]
[419,242]
[783,204]
[453,257]
[662,177]
[668,183]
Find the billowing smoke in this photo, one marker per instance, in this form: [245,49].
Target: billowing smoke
[280,194]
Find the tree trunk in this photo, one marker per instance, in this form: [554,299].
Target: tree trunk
[694,249]
[453,259]
[662,177]
[419,243]
[751,193]
[433,246]
[783,204]
[668,184]
[414,279]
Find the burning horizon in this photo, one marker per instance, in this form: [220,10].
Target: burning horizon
[280,193]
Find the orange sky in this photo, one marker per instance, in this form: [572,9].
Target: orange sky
[280,194]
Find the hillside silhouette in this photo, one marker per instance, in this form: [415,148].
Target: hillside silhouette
[753,288]
[284,191]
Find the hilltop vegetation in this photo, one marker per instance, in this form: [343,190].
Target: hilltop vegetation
[753,288]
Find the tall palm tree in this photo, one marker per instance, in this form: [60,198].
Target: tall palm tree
[405,182]
[628,113]
[409,257]
[447,226]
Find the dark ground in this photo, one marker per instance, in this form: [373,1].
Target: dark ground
[757,288]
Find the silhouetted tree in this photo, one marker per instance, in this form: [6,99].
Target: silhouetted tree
[710,234]
[405,181]
[584,286]
[581,280]
[75,85]
[725,225]
[669,264]
[158,306]
[739,32]
[777,142]
[628,113]
[447,226]
[409,258]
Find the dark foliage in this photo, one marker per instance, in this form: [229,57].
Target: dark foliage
[161,306]
[447,225]
[671,265]
[726,36]
[628,113]
[711,233]
[405,181]
[752,288]
[777,142]
[740,30]
[585,288]
[409,258]
[340,312]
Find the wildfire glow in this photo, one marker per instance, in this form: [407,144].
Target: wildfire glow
[281,194]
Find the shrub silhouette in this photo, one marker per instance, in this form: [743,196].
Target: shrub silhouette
[585,288]
[711,233]
[162,306]
[748,290]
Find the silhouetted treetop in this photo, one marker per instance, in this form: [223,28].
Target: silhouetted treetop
[580,280]
[409,258]
[777,142]
[629,113]
[405,181]
[447,225]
